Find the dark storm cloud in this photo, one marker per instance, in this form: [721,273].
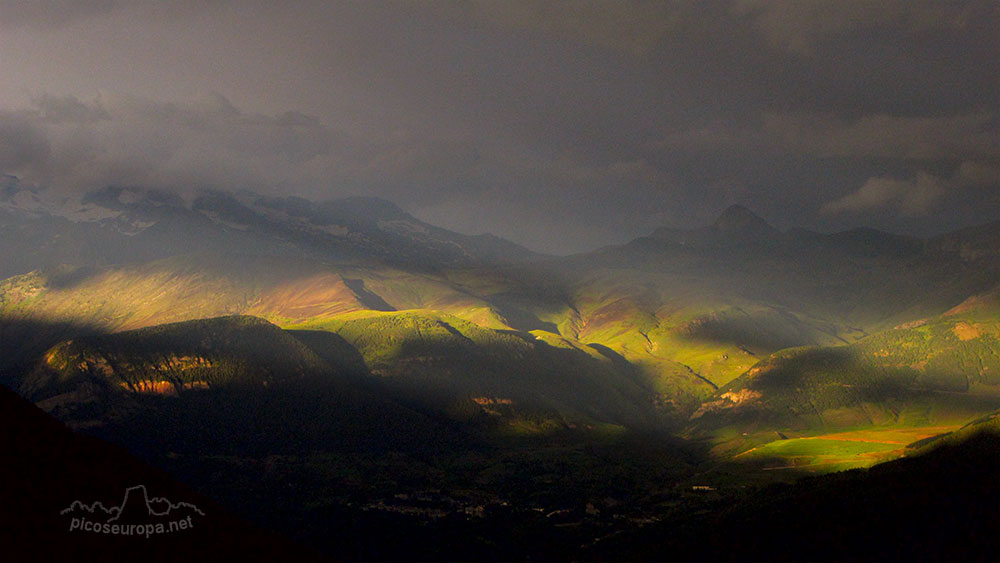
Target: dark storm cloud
[563,125]
[47,14]
[798,26]
[208,142]
[22,146]
[885,136]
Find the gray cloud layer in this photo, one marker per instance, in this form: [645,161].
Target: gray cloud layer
[562,125]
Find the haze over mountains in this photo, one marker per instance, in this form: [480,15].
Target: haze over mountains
[210,332]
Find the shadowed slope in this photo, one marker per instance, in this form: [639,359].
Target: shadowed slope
[47,466]
[235,384]
[533,382]
[940,506]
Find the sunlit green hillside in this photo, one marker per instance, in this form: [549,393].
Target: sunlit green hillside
[532,381]
[937,371]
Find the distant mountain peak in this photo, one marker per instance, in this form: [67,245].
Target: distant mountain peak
[736,226]
[737,218]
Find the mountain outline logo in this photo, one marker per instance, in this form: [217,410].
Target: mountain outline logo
[138,514]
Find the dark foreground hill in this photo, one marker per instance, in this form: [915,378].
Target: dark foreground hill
[230,384]
[943,505]
[46,467]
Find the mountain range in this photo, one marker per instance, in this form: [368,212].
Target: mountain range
[217,333]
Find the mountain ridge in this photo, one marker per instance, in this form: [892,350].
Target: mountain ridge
[323,343]
[121,224]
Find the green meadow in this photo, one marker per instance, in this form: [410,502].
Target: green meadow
[837,452]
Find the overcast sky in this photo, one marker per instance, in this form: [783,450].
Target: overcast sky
[561,125]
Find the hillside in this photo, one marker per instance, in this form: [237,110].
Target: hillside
[52,466]
[172,359]
[689,311]
[934,371]
[941,505]
[863,279]
[254,385]
[290,429]
[118,225]
[534,382]
[684,341]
